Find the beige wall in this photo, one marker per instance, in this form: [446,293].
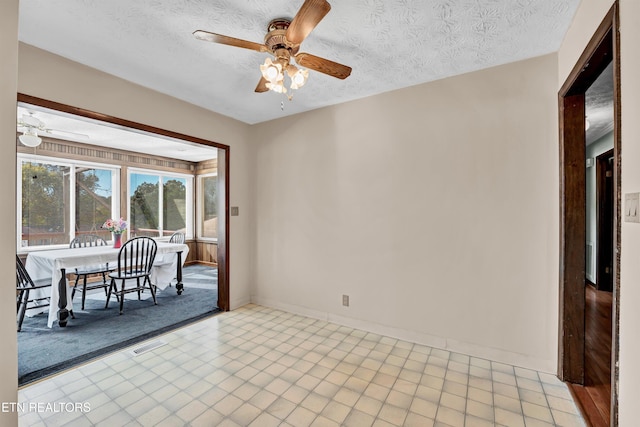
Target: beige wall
[435,208]
[630,267]
[8,74]
[587,19]
[54,78]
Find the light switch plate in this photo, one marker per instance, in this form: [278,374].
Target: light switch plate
[235,211]
[631,207]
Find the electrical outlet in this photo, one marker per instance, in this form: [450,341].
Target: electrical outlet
[345,300]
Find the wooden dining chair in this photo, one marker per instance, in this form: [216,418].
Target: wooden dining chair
[135,261]
[85,241]
[29,293]
[177,237]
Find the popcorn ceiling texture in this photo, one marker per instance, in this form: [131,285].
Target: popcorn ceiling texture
[599,106]
[389,44]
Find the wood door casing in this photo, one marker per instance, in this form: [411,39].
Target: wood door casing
[602,49]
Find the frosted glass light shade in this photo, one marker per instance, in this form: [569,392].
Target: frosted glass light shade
[271,71]
[299,78]
[30,138]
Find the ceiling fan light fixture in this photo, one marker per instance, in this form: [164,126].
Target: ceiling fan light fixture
[30,138]
[271,71]
[299,78]
[277,86]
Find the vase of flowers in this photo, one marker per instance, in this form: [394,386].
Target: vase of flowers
[117,227]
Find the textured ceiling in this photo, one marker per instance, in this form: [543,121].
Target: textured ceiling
[599,106]
[389,44]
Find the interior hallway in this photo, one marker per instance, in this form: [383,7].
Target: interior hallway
[257,366]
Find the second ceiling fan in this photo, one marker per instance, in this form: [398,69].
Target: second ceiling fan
[283,41]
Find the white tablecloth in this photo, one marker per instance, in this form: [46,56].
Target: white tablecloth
[45,264]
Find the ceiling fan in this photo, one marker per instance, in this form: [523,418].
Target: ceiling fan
[31,127]
[283,40]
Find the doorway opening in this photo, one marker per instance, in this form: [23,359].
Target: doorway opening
[589,277]
[158,195]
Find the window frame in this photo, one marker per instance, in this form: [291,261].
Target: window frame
[200,208]
[72,165]
[189,214]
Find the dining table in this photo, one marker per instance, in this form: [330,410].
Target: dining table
[55,263]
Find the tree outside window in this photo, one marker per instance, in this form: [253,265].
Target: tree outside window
[158,204]
[209,210]
[93,201]
[144,213]
[174,205]
[45,188]
[49,213]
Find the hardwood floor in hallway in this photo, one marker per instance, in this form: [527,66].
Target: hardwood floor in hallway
[595,396]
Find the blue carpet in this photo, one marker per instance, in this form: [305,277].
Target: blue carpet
[96,331]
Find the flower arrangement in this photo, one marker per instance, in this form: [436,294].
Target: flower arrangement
[116,226]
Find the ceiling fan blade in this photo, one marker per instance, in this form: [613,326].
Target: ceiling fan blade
[323,65]
[230,41]
[309,15]
[262,85]
[30,120]
[65,133]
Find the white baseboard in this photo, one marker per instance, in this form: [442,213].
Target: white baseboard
[470,349]
[239,302]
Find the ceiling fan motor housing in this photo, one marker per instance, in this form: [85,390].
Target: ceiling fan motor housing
[276,38]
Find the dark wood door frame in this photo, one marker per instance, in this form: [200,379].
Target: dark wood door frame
[604,221]
[223,241]
[603,48]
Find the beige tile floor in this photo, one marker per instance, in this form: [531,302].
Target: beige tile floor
[257,366]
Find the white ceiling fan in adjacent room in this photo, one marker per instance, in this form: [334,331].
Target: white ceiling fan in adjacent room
[32,128]
[59,125]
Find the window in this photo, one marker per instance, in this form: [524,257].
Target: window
[93,200]
[208,212]
[160,204]
[62,200]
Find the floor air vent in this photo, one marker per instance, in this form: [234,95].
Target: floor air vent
[147,347]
